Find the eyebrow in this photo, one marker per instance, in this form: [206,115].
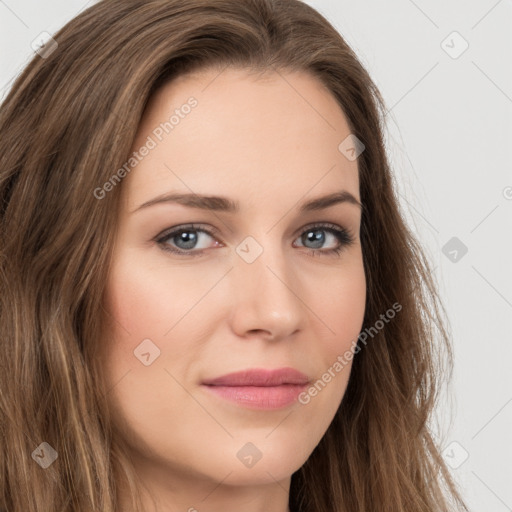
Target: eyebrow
[224,204]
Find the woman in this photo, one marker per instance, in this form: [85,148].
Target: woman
[171,341]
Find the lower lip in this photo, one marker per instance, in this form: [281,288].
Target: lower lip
[260,397]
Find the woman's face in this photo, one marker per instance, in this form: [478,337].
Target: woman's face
[259,286]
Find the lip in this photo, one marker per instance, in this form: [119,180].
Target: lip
[259,388]
[260,377]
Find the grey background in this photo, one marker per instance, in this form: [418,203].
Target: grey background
[449,137]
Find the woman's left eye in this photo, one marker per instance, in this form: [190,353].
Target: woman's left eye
[186,238]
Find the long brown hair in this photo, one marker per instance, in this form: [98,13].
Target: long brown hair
[66,126]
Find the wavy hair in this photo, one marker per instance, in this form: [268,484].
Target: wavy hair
[67,123]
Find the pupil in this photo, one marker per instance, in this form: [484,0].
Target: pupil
[316,238]
[188,238]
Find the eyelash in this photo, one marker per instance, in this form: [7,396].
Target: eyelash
[344,237]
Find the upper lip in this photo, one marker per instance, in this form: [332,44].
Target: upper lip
[260,377]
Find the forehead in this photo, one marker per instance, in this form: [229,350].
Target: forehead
[255,135]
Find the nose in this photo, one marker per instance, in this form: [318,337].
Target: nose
[267,296]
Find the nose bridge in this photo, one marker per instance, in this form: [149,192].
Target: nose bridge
[267,296]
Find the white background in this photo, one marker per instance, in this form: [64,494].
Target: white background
[450,133]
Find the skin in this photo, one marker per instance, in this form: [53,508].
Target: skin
[258,141]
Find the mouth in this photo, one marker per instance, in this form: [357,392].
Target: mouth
[259,388]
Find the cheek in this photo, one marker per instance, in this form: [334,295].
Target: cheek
[149,300]
[340,309]
[142,303]
[343,305]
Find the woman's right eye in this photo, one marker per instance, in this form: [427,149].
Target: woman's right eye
[185,239]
